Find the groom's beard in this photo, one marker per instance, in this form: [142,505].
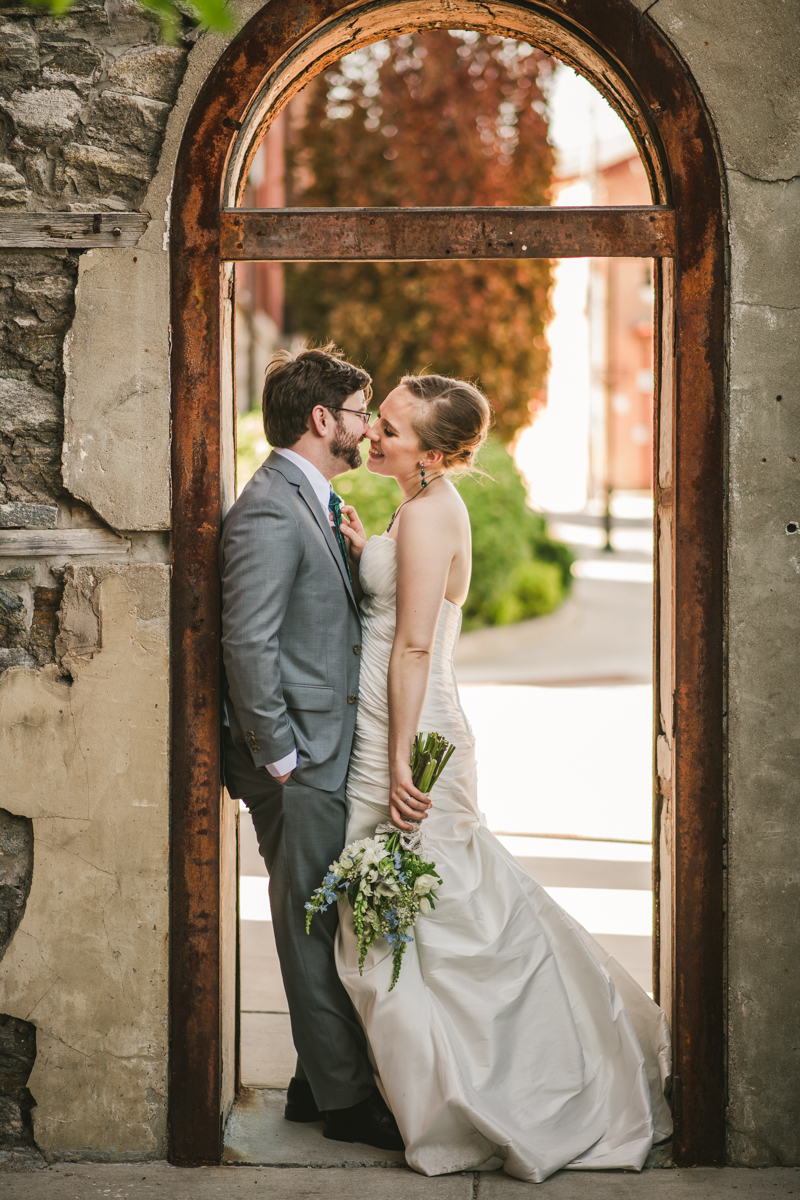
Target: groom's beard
[345,447]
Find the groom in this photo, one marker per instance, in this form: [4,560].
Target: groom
[291,640]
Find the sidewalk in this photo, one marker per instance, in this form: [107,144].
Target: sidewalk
[158,1180]
[602,634]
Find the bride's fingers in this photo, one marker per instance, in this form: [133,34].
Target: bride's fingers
[397,819]
[352,517]
[402,803]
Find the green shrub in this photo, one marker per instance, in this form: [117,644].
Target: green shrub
[518,572]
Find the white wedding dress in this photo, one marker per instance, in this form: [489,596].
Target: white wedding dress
[511,1038]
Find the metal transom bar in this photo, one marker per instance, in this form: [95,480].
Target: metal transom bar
[392,234]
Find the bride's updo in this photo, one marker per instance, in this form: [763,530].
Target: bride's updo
[453,417]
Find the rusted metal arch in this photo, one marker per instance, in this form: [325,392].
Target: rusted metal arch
[632,64]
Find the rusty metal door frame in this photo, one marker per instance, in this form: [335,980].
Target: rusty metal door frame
[629,60]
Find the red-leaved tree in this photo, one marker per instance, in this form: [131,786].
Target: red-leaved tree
[436,118]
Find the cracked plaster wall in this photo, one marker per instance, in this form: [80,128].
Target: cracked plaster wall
[87,761]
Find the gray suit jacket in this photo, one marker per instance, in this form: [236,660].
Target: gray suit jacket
[291,635]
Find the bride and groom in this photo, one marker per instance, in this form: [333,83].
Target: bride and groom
[511,1039]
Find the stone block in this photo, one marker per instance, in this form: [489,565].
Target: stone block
[13,188]
[154,71]
[16,872]
[27,409]
[745,57]
[10,603]
[95,171]
[116,118]
[17,1056]
[45,623]
[15,657]
[41,114]
[116,404]
[28,516]
[18,46]
[66,60]
[18,573]
[46,295]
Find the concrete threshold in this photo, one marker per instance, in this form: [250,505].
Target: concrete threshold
[126,1181]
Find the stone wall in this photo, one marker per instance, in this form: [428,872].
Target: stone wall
[84,106]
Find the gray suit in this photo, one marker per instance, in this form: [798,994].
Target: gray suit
[291,640]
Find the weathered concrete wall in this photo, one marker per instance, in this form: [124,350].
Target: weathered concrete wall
[745,58]
[85,756]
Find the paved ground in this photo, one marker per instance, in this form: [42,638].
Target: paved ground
[602,634]
[144,1181]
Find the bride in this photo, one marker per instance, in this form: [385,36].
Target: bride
[511,1039]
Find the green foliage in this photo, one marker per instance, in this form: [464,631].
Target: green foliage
[437,118]
[174,16]
[374,498]
[251,446]
[518,572]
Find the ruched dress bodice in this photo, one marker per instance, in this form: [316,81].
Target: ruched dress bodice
[368,779]
[511,1039]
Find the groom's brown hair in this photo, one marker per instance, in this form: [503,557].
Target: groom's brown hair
[296,384]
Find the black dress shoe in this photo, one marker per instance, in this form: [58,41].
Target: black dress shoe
[300,1104]
[369,1122]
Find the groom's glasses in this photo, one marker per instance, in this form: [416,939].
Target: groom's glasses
[366,417]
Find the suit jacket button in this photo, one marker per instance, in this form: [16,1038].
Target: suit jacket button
[352,699]
[356,649]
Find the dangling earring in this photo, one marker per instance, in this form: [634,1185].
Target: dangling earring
[422,473]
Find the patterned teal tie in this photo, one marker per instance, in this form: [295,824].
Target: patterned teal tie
[335,506]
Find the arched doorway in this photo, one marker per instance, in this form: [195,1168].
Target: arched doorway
[630,62]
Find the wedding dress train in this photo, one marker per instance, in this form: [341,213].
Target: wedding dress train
[511,1038]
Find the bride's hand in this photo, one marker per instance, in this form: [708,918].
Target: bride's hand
[353,531]
[406,802]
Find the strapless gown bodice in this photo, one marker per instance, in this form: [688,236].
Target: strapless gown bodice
[511,1039]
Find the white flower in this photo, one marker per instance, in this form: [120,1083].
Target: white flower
[388,887]
[425,884]
[374,853]
[424,905]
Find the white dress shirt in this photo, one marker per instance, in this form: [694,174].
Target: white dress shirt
[322,490]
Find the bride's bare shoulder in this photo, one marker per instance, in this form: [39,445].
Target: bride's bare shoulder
[440,513]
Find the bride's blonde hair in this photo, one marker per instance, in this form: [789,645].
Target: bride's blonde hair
[454,418]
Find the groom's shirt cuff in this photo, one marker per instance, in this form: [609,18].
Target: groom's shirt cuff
[283,766]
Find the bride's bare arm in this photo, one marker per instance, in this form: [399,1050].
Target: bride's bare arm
[425,549]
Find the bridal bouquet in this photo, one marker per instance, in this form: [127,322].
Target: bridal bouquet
[385,877]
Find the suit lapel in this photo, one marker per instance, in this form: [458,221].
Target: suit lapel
[295,476]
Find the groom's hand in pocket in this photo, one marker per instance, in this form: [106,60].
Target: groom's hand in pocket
[282,778]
